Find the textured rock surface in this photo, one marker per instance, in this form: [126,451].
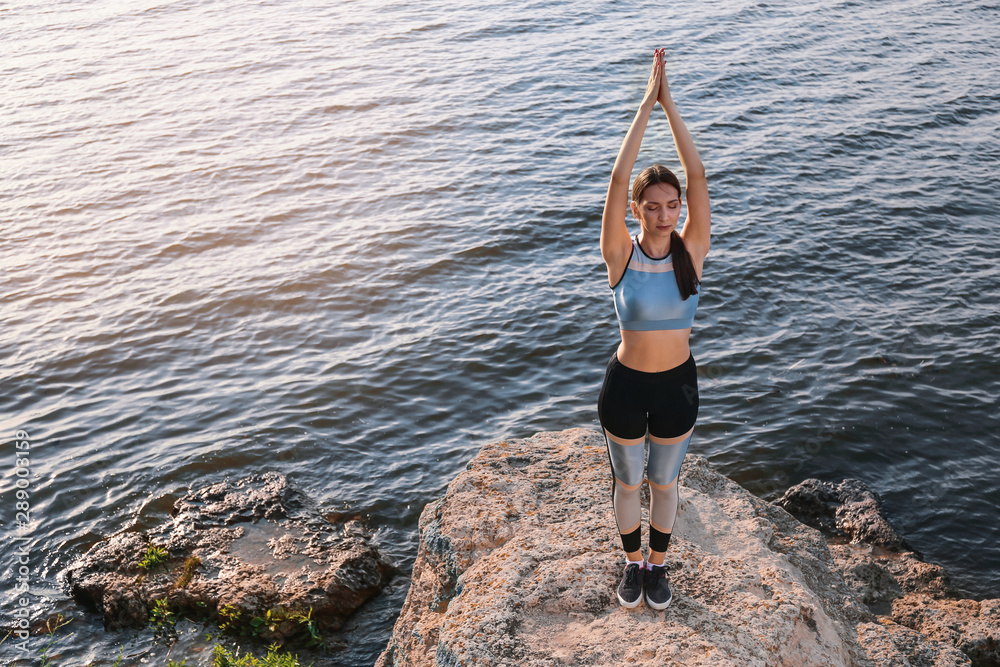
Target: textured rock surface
[518,563]
[889,578]
[262,545]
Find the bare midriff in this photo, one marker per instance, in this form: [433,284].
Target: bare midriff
[654,351]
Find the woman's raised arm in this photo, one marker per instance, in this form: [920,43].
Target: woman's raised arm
[615,241]
[697,227]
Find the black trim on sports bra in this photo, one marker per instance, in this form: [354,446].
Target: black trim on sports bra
[645,253]
[630,252]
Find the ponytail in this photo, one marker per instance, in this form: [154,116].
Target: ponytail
[687,279]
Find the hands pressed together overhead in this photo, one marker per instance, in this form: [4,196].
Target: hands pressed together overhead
[657,89]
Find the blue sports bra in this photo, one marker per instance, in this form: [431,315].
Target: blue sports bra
[647,297]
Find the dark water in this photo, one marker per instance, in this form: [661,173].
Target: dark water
[354,241]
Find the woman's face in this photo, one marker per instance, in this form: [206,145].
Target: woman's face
[658,209]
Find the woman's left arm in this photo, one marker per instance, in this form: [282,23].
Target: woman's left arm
[697,227]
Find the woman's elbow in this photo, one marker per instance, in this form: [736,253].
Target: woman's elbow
[695,173]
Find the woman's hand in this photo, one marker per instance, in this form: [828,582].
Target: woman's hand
[663,95]
[656,80]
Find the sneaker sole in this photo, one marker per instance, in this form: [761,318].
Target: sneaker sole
[629,605]
[660,606]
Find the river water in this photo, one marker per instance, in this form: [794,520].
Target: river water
[354,241]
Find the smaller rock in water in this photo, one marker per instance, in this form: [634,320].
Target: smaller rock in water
[892,579]
[240,548]
[849,509]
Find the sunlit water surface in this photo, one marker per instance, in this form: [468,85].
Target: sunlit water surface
[353,241]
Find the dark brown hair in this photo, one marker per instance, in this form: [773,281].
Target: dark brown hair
[687,279]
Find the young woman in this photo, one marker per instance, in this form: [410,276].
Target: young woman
[651,385]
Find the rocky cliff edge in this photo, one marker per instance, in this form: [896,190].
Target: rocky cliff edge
[518,563]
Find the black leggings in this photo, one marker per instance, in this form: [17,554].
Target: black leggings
[665,403]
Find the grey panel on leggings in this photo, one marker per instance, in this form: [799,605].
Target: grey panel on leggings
[627,461]
[665,461]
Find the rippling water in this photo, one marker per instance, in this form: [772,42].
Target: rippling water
[354,241]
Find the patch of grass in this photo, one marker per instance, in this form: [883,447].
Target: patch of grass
[234,621]
[154,556]
[161,615]
[164,621]
[52,624]
[187,571]
[229,619]
[223,658]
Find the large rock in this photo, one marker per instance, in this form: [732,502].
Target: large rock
[261,545]
[518,563]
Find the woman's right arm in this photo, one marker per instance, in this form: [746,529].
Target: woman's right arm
[615,241]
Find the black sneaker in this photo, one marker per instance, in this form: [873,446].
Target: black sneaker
[658,595]
[630,589]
